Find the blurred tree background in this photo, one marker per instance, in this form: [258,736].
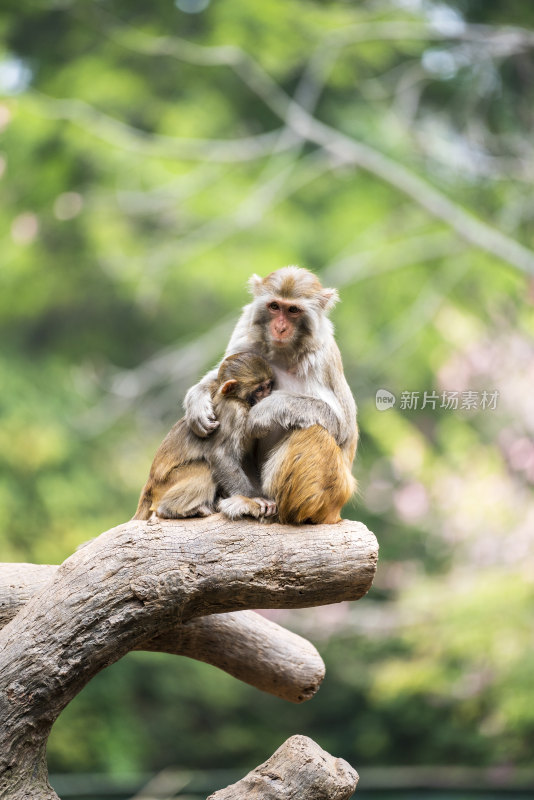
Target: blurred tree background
[154,155]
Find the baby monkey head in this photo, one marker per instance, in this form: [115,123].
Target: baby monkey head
[246,377]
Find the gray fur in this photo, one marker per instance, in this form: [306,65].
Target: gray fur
[310,384]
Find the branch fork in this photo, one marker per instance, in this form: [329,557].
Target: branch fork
[182,587]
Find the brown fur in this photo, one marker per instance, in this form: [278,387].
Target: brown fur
[190,485]
[176,479]
[292,282]
[188,472]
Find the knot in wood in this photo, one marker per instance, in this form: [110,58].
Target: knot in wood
[146,589]
[164,591]
[16,692]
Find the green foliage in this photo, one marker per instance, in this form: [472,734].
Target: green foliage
[146,174]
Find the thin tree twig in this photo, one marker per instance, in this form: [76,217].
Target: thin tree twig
[348,150]
[481,234]
[127,137]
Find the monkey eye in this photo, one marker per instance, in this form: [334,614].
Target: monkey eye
[294,310]
[274,306]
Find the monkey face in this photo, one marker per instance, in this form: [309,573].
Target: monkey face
[246,377]
[288,315]
[263,390]
[284,319]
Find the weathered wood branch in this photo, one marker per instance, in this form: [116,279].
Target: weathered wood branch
[138,582]
[242,643]
[298,770]
[252,649]
[19,582]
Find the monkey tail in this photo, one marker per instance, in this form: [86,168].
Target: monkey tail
[308,478]
[144,507]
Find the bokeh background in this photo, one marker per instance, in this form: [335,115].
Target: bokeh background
[154,155]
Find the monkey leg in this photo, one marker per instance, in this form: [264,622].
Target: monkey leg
[238,506]
[191,493]
[308,478]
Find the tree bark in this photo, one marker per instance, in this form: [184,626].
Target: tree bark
[252,649]
[242,643]
[19,582]
[298,770]
[137,583]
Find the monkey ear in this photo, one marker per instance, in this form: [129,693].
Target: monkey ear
[229,387]
[255,284]
[328,298]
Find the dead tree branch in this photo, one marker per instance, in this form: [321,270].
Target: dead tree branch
[298,770]
[139,586]
[242,643]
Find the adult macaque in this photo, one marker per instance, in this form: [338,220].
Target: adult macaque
[307,472]
[189,474]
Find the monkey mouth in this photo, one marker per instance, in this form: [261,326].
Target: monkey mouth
[282,339]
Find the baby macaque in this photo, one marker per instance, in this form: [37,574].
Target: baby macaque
[192,476]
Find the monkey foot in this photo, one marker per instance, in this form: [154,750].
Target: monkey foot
[267,507]
[237,506]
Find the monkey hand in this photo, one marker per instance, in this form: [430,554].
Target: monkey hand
[201,417]
[237,506]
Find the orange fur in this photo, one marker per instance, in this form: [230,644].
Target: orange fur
[308,477]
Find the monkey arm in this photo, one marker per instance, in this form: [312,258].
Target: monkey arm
[337,383]
[241,338]
[349,432]
[198,406]
[291,411]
